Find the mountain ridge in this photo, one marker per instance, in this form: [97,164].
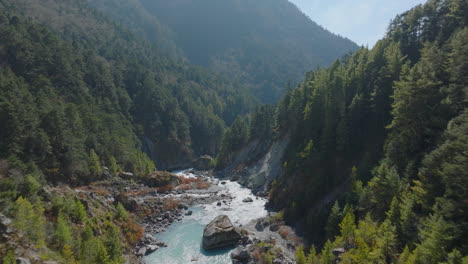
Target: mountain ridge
[264,45]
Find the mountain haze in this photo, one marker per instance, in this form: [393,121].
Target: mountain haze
[263,44]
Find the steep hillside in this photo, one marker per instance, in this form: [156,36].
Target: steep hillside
[263,44]
[117,88]
[381,136]
[83,100]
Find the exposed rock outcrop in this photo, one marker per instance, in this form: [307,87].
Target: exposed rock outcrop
[256,165]
[220,233]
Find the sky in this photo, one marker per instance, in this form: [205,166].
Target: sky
[363,21]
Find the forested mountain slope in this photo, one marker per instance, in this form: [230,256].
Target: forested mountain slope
[263,44]
[83,100]
[382,135]
[85,83]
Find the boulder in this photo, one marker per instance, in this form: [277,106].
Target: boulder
[261,224]
[182,206]
[220,233]
[5,224]
[204,163]
[240,255]
[274,227]
[160,179]
[127,175]
[150,249]
[133,204]
[338,251]
[23,261]
[141,252]
[247,200]
[189,212]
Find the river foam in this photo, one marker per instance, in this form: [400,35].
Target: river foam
[184,237]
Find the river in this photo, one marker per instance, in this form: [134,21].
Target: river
[184,238]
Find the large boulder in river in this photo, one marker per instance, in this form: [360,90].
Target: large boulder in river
[220,233]
[247,200]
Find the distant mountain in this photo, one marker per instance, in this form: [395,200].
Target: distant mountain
[265,44]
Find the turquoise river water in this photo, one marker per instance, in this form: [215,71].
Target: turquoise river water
[184,238]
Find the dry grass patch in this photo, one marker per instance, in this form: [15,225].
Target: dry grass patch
[193,183]
[165,188]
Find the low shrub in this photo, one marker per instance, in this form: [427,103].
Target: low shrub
[170,204]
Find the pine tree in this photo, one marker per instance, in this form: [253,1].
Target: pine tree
[434,236]
[63,234]
[386,243]
[93,251]
[408,219]
[112,241]
[113,166]
[102,255]
[393,212]
[416,109]
[122,213]
[405,256]
[68,255]
[455,257]
[312,257]
[348,228]
[24,211]
[38,224]
[78,212]
[30,220]
[457,93]
[94,164]
[334,220]
[300,257]
[326,256]
[87,232]
[384,185]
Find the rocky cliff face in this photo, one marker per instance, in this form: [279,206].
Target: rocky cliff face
[256,165]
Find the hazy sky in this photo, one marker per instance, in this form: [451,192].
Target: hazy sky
[363,21]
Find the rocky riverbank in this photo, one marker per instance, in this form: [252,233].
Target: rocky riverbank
[158,201]
[171,207]
[259,238]
[265,239]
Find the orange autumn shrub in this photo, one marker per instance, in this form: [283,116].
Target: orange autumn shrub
[133,232]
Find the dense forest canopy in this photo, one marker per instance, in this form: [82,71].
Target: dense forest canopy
[262,44]
[121,93]
[377,162]
[82,98]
